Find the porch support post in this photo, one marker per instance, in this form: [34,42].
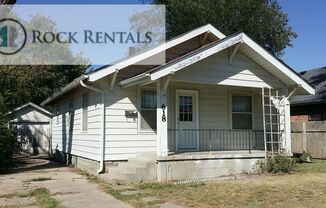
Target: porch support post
[162,117]
[287,141]
[285,120]
[162,131]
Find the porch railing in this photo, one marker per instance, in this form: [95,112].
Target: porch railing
[214,140]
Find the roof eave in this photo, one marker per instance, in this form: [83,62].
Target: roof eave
[33,105]
[65,89]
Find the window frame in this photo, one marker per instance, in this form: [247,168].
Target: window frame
[82,114]
[140,117]
[244,94]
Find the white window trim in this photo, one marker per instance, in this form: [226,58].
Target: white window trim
[248,94]
[81,113]
[177,92]
[139,117]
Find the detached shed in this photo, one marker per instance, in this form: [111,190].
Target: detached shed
[32,123]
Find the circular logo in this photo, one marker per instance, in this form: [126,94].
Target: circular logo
[12,36]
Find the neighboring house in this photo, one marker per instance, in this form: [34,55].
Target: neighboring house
[32,125]
[214,108]
[311,107]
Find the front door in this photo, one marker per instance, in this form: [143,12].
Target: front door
[186,119]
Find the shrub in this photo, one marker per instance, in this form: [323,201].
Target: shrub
[305,157]
[8,144]
[278,163]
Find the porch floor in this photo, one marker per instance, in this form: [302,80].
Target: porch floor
[207,155]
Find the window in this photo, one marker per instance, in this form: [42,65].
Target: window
[148,110]
[185,108]
[85,112]
[241,112]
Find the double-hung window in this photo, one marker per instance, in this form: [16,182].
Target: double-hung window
[147,110]
[241,112]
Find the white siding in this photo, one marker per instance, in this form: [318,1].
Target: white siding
[84,144]
[123,140]
[214,106]
[216,69]
[34,126]
[215,111]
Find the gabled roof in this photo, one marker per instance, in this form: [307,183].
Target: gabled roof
[32,105]
[317,78]
[104,71]
[128,61]
[247,45]
[253,50]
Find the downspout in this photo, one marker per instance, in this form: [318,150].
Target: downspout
[101,168]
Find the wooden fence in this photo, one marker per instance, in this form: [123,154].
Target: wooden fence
[309,137]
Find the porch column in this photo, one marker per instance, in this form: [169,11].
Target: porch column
[285,119]
[162,118]
[287,144]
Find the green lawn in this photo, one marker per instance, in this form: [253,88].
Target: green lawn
[306,187]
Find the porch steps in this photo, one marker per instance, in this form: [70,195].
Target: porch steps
[140,168]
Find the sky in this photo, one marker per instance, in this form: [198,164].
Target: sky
[306,17]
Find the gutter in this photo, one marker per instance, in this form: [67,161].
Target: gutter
[101,168]
[64,90]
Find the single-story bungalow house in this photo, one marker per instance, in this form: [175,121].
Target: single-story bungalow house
[311,107]
[32,124]
[217,105]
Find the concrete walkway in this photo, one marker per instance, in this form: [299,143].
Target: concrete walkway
[67,186]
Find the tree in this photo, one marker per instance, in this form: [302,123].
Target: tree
[262,20]
[22,83]
[8,144]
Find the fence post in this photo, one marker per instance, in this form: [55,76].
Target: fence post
[304,136]
[210,140]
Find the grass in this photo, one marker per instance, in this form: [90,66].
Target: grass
[39,179]
[116,192]
[41,195]
[317,166]
[305,187]
[43,198]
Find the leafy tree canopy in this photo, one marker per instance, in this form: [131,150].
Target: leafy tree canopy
[21,83]
[262,20]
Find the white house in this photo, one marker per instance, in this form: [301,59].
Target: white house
[32,125]
[215,107]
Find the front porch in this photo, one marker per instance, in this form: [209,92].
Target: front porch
[207,118]
[214,140]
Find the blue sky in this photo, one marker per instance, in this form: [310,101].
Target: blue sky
[307,17]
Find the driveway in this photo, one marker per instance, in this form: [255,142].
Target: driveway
[65,185]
